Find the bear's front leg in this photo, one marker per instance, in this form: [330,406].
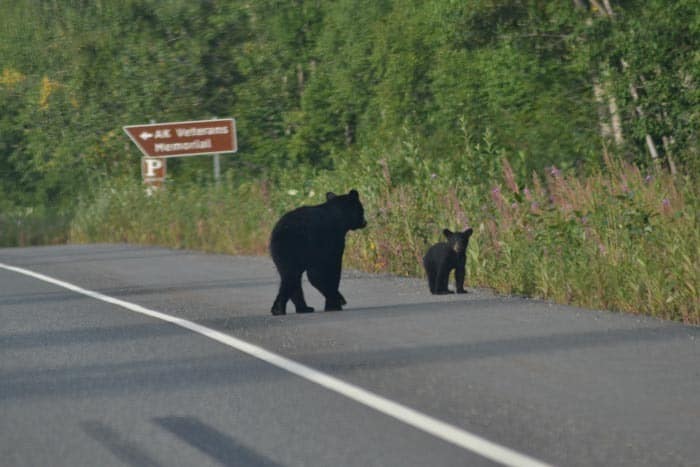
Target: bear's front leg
[459,278]
[336,302]
[443,277]
[326,278]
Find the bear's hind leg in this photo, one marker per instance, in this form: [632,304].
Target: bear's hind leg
[298,300]
[290,287]
[430,272]
[279,307]
[297,294]
[333,302]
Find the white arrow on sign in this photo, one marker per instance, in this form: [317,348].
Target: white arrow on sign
[146,135]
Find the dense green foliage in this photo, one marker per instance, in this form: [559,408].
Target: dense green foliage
[312,82]
[420,104]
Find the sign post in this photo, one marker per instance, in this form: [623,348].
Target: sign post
[217,168]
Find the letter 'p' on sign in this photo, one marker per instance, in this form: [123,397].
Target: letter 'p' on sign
[153,170]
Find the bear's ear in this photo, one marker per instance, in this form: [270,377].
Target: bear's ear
[330,195]
[447,233]
[468,233]
[354,194]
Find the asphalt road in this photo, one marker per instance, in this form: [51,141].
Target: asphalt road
[87,383]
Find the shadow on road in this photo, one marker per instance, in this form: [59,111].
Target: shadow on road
[212,442]
[126,451]
[159,375]
[457,352]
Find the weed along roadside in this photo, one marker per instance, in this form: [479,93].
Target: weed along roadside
[620,239]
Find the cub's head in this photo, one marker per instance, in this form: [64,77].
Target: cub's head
[458,241]
[351,209]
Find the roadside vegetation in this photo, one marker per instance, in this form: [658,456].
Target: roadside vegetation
[564,133]
[618,239]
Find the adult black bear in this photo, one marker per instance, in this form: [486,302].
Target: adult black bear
[443,257]
[312,239]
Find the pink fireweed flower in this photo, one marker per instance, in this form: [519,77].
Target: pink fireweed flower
[666,206]
[509,177]
[554,172]
[497,197]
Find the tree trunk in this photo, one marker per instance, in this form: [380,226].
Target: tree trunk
[615,119]
[300,78]
[608,113]
[608,8]
[651,146]
[605,130]
[667,149]
[598,7]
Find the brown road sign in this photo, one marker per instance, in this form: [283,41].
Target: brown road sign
[177,139]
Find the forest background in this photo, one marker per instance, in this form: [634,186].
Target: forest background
[564,132]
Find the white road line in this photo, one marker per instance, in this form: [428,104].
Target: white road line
[409,416]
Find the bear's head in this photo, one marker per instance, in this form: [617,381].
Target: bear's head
[458,241]
[350,208]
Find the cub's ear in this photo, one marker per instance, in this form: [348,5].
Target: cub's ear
[354,194]
[468,233]
[330,195]
[447,233]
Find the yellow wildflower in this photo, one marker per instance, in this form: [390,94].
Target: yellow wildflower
[10,77]
[47,88]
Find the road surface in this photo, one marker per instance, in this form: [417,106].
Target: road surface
[399,378]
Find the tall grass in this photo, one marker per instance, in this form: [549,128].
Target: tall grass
[618,239]
[33,226]
[218,218]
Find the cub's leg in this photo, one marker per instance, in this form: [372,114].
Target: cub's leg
[443,276]
[460,272]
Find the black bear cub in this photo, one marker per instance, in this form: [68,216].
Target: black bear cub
[443,257]
[312,239]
